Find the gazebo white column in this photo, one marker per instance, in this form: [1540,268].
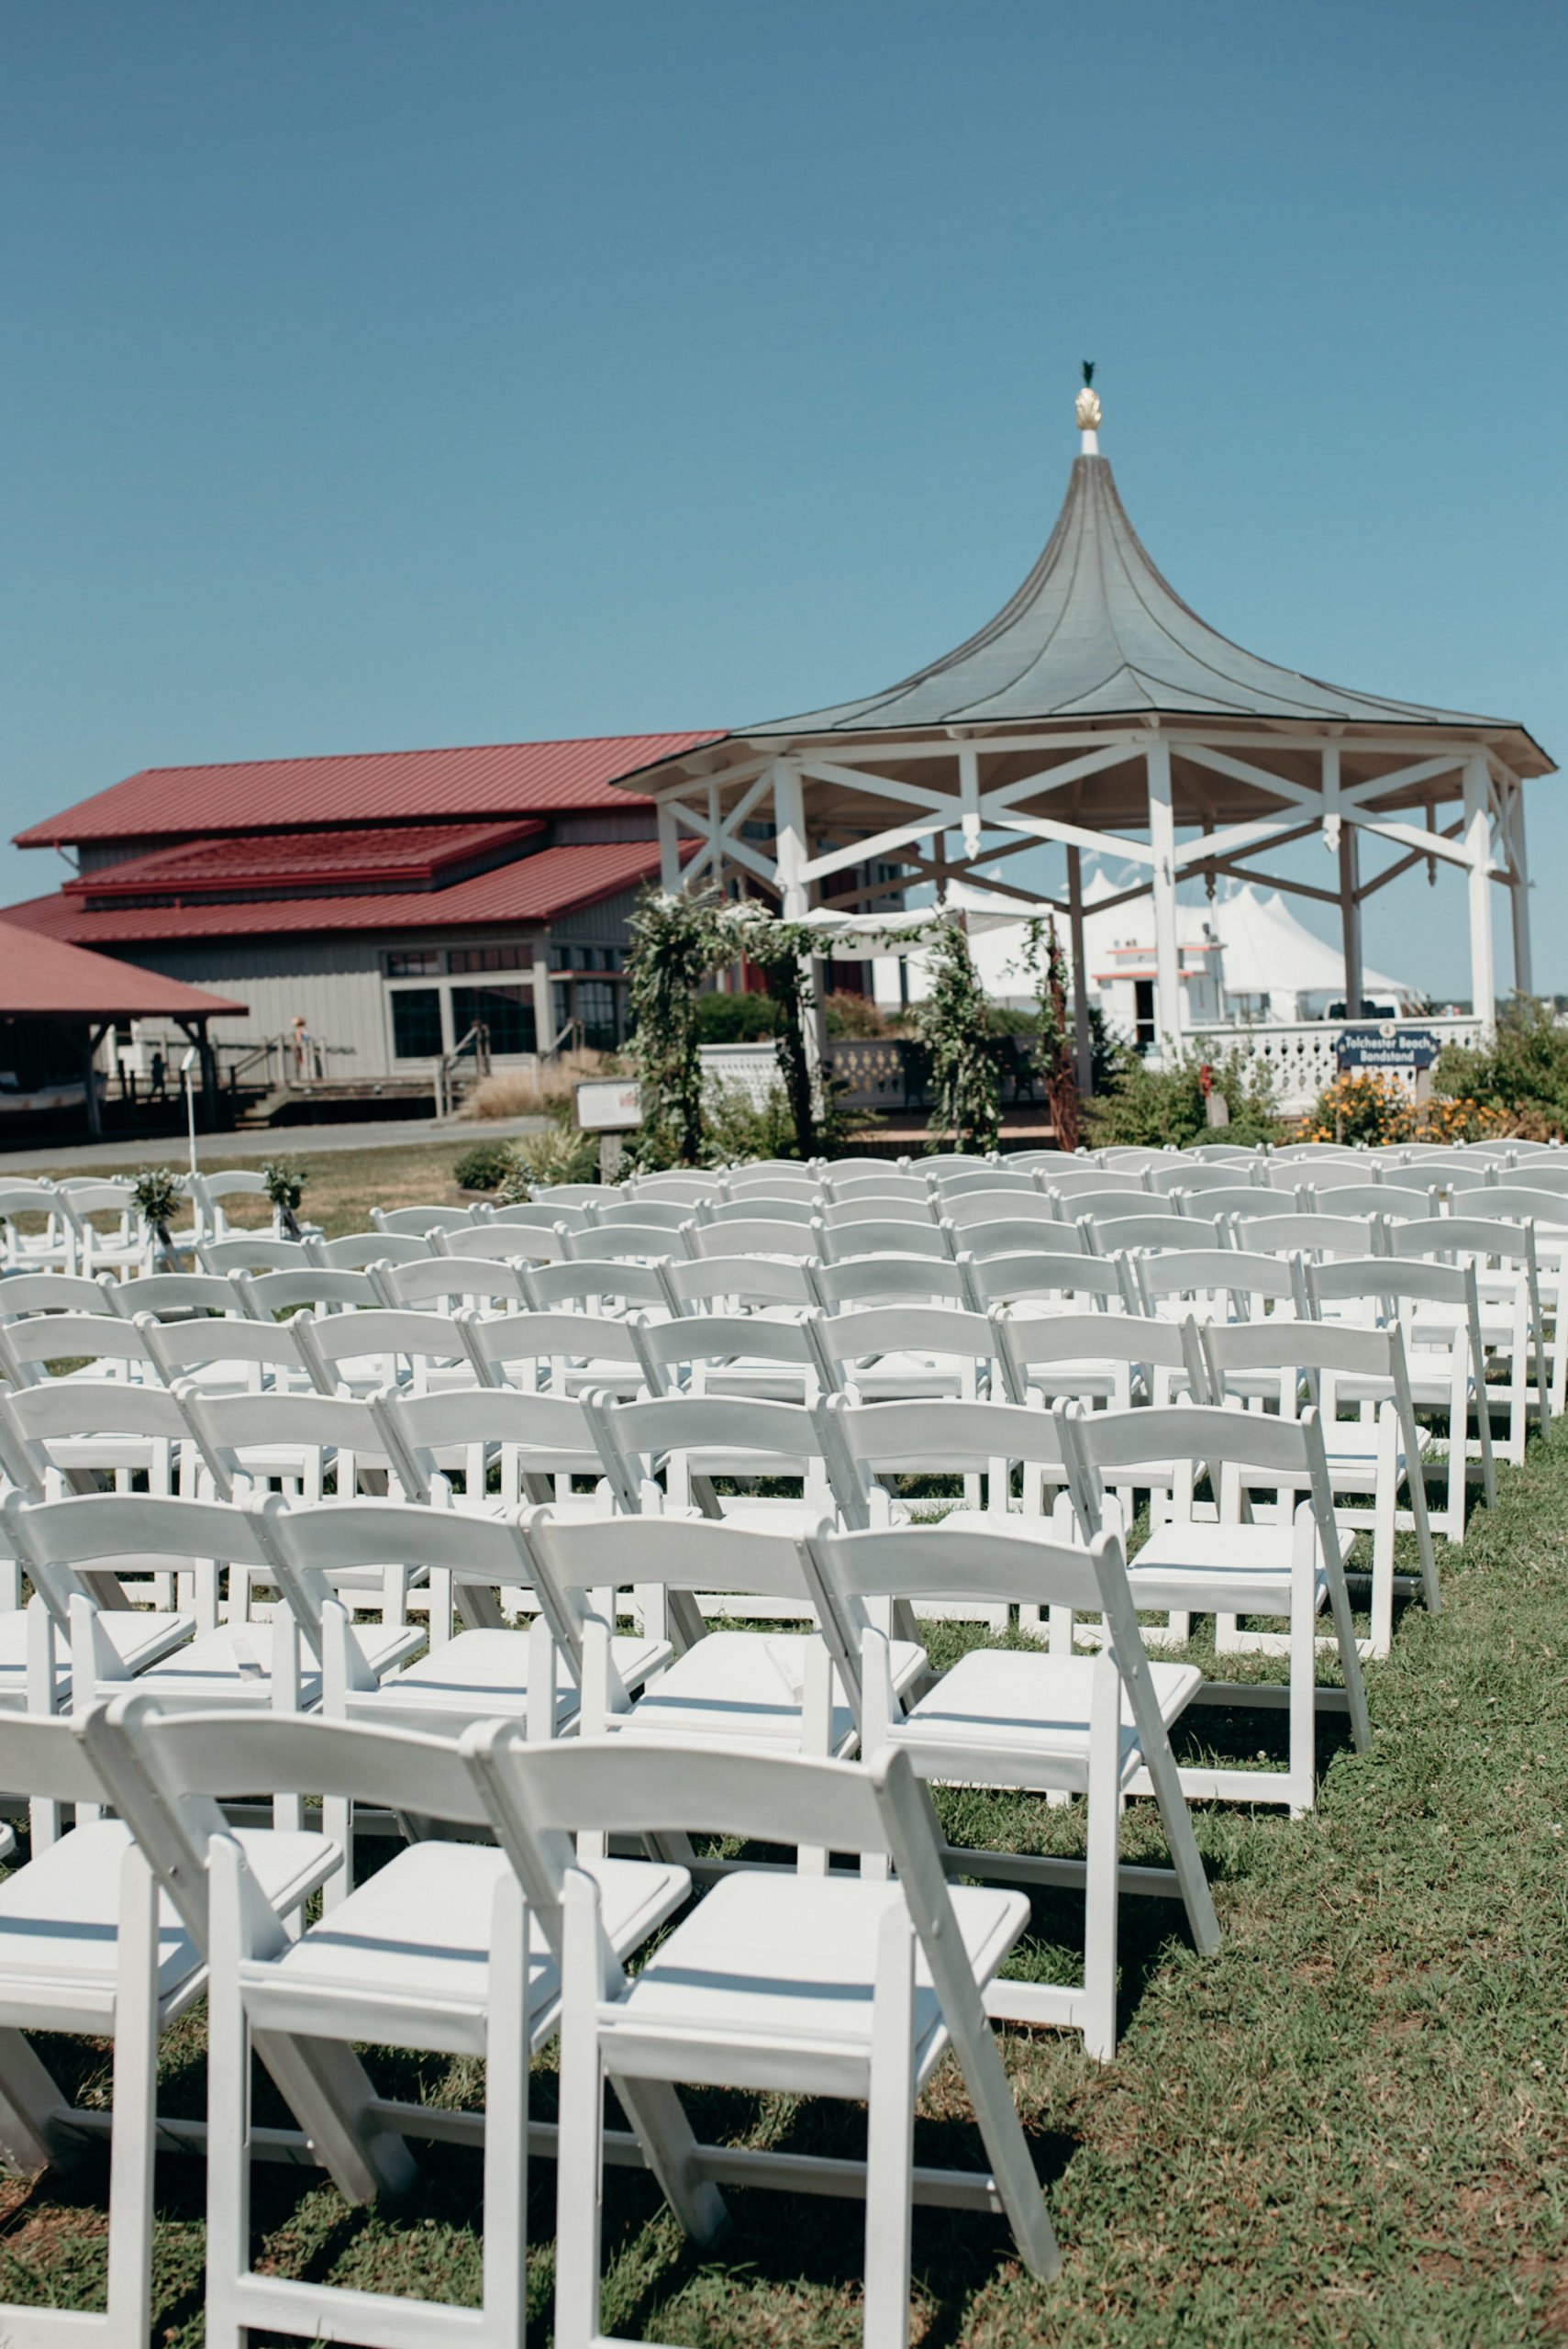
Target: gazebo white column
[669,848]
[792,852]
[1524,978]
[1168,1021]
[1478,853]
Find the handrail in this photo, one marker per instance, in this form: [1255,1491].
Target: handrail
[478,1035]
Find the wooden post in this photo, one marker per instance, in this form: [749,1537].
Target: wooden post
[669,849]
[1351,916]
[1523,976]
[1478,847]
[1168,1021]
[1083,1042]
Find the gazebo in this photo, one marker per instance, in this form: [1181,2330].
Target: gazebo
[1097,711]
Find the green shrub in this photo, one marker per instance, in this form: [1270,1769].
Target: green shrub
[1152,1106]
[736,1019]
[736,1127]
[1524,1070]
[484,1167]
[845,1014]
[536,1160]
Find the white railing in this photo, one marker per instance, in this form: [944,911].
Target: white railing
[1300,1054]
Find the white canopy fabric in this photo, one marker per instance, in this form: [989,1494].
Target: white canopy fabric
[1265,951]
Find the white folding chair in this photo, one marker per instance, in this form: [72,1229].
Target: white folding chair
[22,1294]
[88,1949]
[359,1353]
[1233,1567]
[558,1353]
[853,1987]
[743,1353]
[1031,1722]
[321,1290]
[1373,1452]
[1513,1320]
[863,1281]
[695,1441]
[237,1355]
[885,1352]
[418,1223]
[435,1951]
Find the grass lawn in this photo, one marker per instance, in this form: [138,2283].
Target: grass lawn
[1349,2126]
[343,1185]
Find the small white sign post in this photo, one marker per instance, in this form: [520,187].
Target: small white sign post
[608,1106]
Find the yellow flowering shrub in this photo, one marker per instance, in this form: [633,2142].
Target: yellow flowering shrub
[1366,1107]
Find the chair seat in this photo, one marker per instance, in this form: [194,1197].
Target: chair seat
[60,1915]
[240,1660]
[1243,1569]
[750,1684]
[138,1638]
[765,1958]
[1000,1701]
[412,1945]
[484,1672]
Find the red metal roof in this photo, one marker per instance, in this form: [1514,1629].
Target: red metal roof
[46,974]
[534,889]
[366,787]
[406,853]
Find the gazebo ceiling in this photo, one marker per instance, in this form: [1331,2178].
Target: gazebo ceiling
[1097,633]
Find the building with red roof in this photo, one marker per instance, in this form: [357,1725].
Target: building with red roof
[389,901]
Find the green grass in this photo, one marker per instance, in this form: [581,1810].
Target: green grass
[1348,2126]
[342,1185]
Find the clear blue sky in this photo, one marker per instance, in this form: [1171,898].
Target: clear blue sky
[389,374]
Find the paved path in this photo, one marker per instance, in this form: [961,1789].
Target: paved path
[279,1142]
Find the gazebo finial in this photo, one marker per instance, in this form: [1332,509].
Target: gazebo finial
[1086,409]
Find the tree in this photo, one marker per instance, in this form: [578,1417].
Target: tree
[676,944]
[1054,1050]
[952,1023]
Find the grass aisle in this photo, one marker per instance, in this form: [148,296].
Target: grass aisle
[1348,2127]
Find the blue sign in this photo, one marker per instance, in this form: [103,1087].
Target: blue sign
[1388,1044]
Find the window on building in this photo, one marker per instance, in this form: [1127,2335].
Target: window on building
[1143,1013]
[489,958]
[507,1012]
[417,1023]
[596,1009]
[416,962]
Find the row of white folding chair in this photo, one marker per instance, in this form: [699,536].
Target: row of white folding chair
[501,1931]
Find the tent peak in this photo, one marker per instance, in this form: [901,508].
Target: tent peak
[1086,409]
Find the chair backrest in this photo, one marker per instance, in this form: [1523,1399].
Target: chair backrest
[416,1221]
[244,1437]
[1385,1281]
[61,1540]
[707,1343]
[1106,1235]
[1099,1444]
[775,1179]
[1230,1273]
[1193,1176]
[530,1350]
[508,1243]
[355,1249]
[544,1214]
[931,1334]
[257,1252]
[883,1183]
[1519,1202]
[114,1346]
[1032,1275]
[569,1195]
[522,1437]
[1317,1236]
[865,1237]
[1540,1173]
[170,1771]
[1466,1235]
[1343,1173]
[633,1242]
[887,1280]
[942,1562]
[314,1542]
[1391,1200]
[752,1205]
[730,1284]
[322,1290]
[1229,1198]
[22,1294]
[1072,1182]
[651,1214]
[609,1285]
[1030,1342]
[80,1413]
[760,1237]
[156,1294]
[876,1206]
[571,1558]
[1235,1352]
[685,1188]
[862,1442]
[1131,1158]
[443,1282]
[636,1439]
[1018,1202]
[48,1759]
[245,1348]
[393,1343]
[1016,1236]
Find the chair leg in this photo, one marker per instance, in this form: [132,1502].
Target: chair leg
[32,2106]
[890,2136]
[580,2145]
[1100,1888]
[506,2121]
[229,2112]
[135,2088]
[1384,1500]
[1302,1766]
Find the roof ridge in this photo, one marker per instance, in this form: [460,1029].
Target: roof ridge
[435,750]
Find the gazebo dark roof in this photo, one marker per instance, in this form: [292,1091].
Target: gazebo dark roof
[1095,632]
